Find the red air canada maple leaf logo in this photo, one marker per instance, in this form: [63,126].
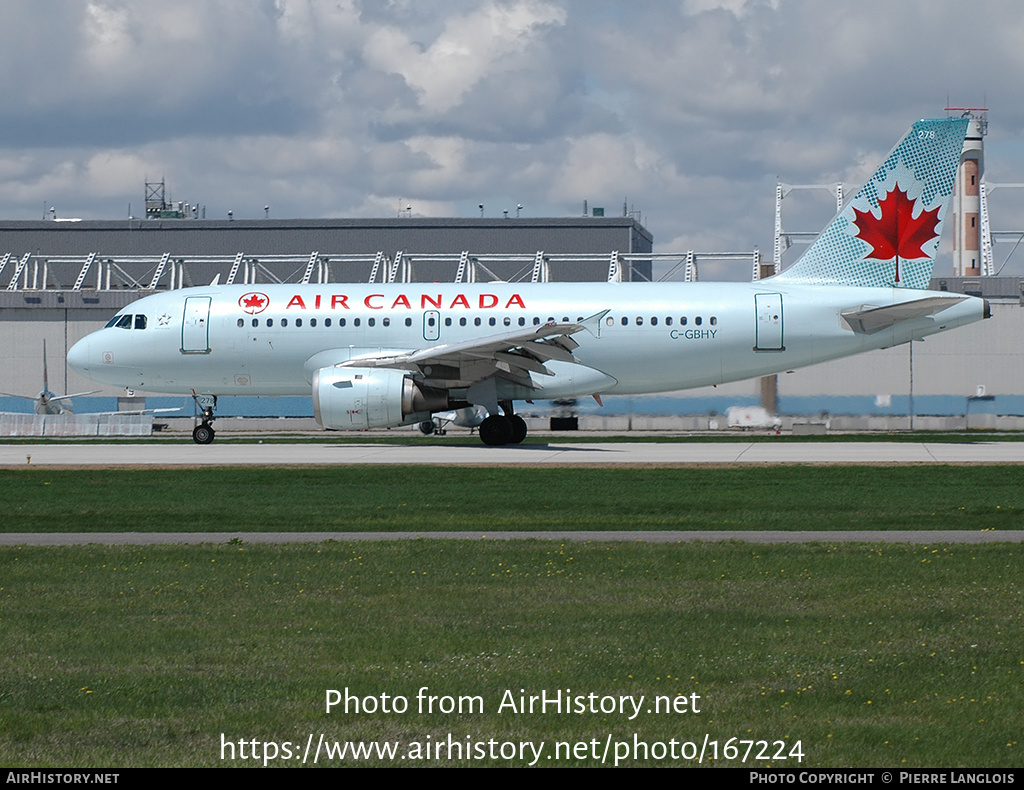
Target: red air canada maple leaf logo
[254,302]
[897,233]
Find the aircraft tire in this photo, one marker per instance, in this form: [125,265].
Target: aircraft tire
[496,430]
[427,427]
[519,429]
[202,434]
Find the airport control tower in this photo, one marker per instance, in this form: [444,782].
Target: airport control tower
[967,196]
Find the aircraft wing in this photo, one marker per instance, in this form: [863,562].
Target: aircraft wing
[509,355]
[50,399]
[73,395]
[141,411]
[868,319]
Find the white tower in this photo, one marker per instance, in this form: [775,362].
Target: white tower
[967,196]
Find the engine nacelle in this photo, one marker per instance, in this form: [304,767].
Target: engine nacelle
[354,399]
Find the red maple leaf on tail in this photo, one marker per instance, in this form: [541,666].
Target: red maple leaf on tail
[897,233]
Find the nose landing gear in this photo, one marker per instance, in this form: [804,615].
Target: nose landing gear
[203,432]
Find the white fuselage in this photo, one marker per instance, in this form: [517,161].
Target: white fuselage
[270,339]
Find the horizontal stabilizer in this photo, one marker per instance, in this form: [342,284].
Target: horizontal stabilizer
[868,319]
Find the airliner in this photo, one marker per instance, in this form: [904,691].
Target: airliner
[381,356]
[47,402]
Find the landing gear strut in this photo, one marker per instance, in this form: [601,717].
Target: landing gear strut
[203,432]
[500,429]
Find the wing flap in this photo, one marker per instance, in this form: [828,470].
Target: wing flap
[510,355]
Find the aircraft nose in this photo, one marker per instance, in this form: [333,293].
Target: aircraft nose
[78,356]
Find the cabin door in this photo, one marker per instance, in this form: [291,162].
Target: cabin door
[768,332]
[195,326]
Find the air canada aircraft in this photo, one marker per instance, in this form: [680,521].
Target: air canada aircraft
[379,356]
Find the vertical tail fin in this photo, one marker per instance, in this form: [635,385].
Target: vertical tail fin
[887,236]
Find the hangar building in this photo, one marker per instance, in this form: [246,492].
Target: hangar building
[60,280]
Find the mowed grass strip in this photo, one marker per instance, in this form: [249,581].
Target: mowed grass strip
[405,498]
[866,655]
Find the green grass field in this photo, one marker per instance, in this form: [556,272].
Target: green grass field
[864,655]
[868,656]
[395,498]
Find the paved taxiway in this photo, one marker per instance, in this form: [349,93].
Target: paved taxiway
[569,454]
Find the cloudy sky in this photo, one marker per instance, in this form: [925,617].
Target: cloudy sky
[690,110]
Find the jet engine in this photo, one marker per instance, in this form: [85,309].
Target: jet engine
[354,399]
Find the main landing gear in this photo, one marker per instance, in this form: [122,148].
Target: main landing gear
[203,433]
[499,429]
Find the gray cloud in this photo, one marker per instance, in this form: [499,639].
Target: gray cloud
[690,109]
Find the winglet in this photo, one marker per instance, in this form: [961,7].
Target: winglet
[593,323]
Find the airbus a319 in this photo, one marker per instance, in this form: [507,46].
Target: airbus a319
[380,356]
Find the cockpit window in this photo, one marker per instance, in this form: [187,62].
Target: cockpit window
[127,321]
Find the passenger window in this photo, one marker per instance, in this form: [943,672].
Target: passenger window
[341,322]
[507,321]
[536,321]
[408,322]
[682,321]
[386,321]
[522,322]
[654,320]
[312,322]
[298,322]
[447,322]
[462,322]
[355,322]
[140,322]
[327,322]
[476,322]
[255,322]
[270,322]
[241,322]
[668,321]
[371,321]
[697,320]
[625,321]
[714,321]
[609,321]
[639,321]
[492,322]
[284,322]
